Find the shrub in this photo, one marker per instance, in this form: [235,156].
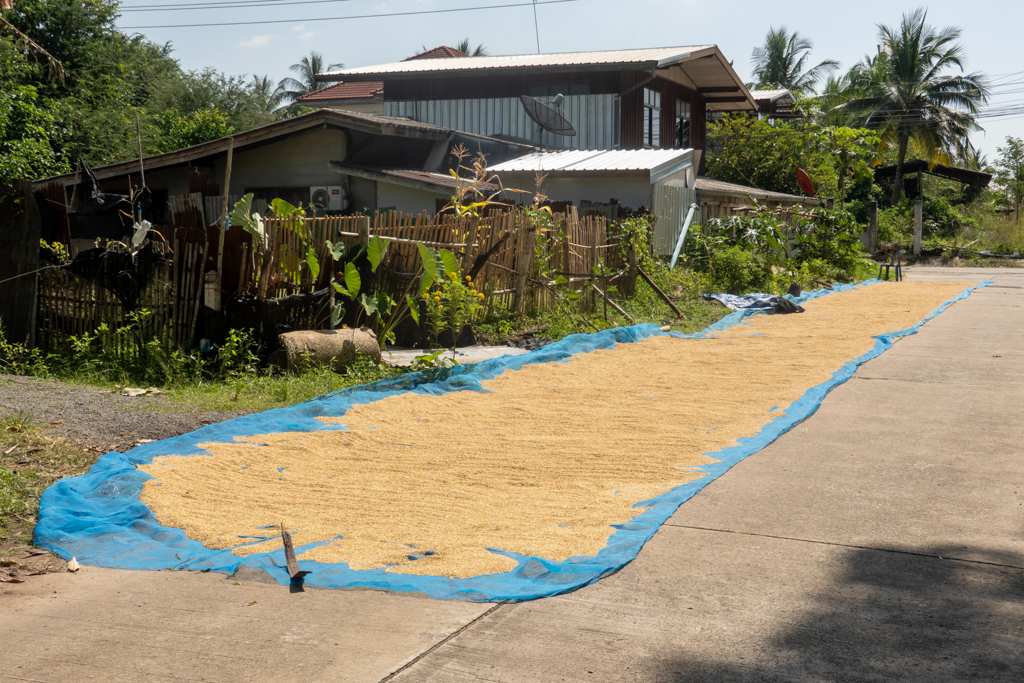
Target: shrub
[737,271]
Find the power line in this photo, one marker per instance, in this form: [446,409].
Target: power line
[361,16]
[226,4]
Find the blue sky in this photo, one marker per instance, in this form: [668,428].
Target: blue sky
[991,33]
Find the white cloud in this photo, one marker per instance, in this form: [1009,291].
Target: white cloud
[257,41]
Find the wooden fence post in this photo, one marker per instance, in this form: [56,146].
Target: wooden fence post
[629,289]
[363,228]
[523,269]
[918,225]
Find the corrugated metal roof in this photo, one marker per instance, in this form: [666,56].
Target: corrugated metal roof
[607,160]
[770,95]
[660,57]
[711,186]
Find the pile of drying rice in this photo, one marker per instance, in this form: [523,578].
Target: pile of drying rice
[541,466]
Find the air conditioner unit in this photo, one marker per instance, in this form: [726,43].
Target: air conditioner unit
[328,197]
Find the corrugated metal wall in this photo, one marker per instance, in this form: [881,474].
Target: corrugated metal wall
[671,204]
[593,117]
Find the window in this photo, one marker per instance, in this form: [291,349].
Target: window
[682,124]
[652,118]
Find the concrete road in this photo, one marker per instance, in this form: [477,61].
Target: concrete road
[882,539]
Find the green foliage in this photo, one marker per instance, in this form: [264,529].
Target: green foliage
[196,128]
[112,79]
[1010,173]
[737,270]
[452,303]
[766,155]
[754,253]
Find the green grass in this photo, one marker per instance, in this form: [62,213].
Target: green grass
[29,462]
[259,391]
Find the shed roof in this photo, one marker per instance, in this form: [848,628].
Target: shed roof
[772,95]
[657,163]
[421,180]
[963,175]
[720,187]
[369,123]
[701,67]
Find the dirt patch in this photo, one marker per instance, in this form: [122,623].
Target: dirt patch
[53,429]
[97,419]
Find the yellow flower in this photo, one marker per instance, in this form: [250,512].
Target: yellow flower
[469,279]
[473,291]
[440,308]
[480,295]
[437,299]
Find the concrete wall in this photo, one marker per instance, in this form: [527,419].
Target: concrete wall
[407,199]
[631,191]
[299,161]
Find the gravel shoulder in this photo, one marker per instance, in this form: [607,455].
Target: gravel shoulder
[101,420]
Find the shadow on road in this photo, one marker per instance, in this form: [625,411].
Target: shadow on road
[893,617]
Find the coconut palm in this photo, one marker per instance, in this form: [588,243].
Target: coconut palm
[290,89]
[478,51]
[904,94]
[266,95]
[782,63]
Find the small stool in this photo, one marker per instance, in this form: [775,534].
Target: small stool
[893,263]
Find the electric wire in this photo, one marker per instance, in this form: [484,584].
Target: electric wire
[360,16]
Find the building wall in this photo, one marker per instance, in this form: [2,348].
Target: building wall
[298,162]
[593,117]
[632,111]
[630,191]
[407,199]
[463,87]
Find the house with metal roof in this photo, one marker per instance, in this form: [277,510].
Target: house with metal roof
[336,161]
[365,96]
[654,98]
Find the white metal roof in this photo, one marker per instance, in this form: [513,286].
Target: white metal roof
[657,162]
[653,57]
[771,95]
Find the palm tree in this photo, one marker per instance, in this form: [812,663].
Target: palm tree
[479,51]
[904,95]
[266,95]
[781,63]
[290,89]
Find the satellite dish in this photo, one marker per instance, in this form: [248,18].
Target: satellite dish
[548,116]
[805,182]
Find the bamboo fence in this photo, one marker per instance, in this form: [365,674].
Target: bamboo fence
[580,250]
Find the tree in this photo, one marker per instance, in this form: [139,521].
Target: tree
[290,89]
[904,95]
[1010,172]
[782,60]
[478,51]
[266,96]
[765,155]
[194,129]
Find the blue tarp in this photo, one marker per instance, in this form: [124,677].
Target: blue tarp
[99,518]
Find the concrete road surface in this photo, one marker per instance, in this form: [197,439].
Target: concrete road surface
[882,539]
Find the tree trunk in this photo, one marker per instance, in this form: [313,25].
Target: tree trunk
[897,184]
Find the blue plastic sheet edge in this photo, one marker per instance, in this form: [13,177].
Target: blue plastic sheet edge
[99,518]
